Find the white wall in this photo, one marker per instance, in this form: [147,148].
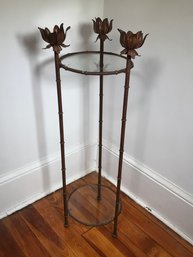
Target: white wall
[29,132]
[159,137]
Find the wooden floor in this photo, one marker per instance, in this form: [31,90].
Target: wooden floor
[38,231]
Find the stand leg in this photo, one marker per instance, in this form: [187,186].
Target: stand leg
[121,150]
[100,120]
[62,148]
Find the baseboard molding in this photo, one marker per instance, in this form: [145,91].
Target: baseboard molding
[28,184]
[165,200]
[162,198]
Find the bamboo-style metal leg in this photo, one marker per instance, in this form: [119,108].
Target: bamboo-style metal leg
[100,120]
[62,147]
[122,139]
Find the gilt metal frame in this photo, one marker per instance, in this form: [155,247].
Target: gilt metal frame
[130,42]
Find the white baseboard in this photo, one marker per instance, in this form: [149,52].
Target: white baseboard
[28,184]
[165,200]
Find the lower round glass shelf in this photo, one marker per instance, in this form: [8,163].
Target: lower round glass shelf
[85,208]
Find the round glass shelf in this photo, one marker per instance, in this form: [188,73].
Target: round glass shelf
[87,63]
[84,206]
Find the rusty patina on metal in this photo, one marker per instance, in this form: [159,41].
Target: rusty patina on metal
[56,38]
[102,28]
[130,41]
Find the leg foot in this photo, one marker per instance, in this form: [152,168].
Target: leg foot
[66,225]
[114,235]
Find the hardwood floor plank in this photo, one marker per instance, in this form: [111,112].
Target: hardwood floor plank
[128,242]
[38,230]
[45,233]
[92,178]
[143,211]
[56,201]
[128,231]
[78,227]
[158,233]
[72,186]
[24,237]
[101,239]
[69,235]
[159,223]
[8,246]
[84,205]
[157,230]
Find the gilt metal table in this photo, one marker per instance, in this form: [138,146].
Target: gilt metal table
[94,204]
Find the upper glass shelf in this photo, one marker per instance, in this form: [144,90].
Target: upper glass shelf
[88,63]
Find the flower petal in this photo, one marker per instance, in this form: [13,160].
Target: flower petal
[60,35]
[66,31]
[94,26]
[123,37]
[68,28]
[129,33]
[142,42]
[63,45]
[48,46]
[45,34]
[98,20]
[105,25]
[56,29]
[131,42]
[139,35]
[124,51]
[53,39]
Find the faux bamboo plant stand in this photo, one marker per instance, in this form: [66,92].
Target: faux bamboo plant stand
[75,203]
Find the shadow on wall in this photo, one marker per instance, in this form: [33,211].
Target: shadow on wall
[140,106]
[30,43]
[151,68]
[85,32]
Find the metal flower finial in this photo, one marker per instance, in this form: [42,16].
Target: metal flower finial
[102,28]
[55,38]
[131,41]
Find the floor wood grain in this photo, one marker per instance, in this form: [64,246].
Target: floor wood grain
[38,231]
